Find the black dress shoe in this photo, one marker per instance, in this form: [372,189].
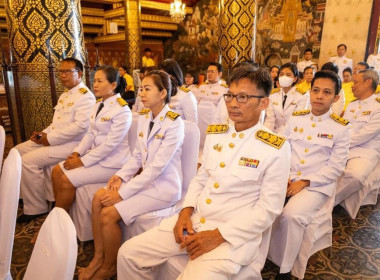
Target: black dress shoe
[24,219]
[284,276]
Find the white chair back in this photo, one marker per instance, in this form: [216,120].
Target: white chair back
[132,133]
[9,195]
[2,144]
[55,252]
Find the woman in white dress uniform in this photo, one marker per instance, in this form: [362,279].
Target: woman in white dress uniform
[104,148]
[158,152]
[183,102]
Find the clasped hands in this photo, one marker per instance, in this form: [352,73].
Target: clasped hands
[73,161]
[296,187]
[196,244]
[112,196]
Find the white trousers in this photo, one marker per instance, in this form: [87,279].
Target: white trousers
[352,180]
[288,229]
[139,255]
[35,158]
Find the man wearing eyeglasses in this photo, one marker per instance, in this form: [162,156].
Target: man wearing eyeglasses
[212,90]
[55,143]
[231,202]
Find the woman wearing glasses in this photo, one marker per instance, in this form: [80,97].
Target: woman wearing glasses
[286,99]
[104,148]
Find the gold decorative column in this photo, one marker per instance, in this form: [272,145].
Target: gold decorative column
[237,31]
[133,33]
[37,27]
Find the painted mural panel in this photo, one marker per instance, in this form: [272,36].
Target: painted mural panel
[285,28]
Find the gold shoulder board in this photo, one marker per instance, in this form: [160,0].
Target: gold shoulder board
[339,119]
[83,90]
[224,85]
[144,111]
[378,99]
[300,90]
[65,90]
[275,90]
[184,89]
[99,99]
[217,128]
[122,102]
[301,112]
[171,115]
[270,138]
[205,83]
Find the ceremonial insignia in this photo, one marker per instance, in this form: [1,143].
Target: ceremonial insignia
[215,93]
[122,102]
[301,112]
[105,119]
[301,91]
[345,61]
[144,111]
[366,113]
[275,103]
[275,90]
[324,135]
[205,83]
[70,104]
[339,119]
[217,147]
[141,134]
[99,99]
[224,85]
[352,111]
[66,90]
[295,129]
[217,128]
[60,101]
[83,90]
[171,115]
[378,99]
[249,162]
[184,89]
[159,136]
[293,103]
[270,138]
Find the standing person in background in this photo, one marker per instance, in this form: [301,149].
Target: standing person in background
[307,56]
[129,93]
[147,60]
[341,60]
[182,101]
[347,87]
[285,100]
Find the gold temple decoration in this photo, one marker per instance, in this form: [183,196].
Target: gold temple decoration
[177,11]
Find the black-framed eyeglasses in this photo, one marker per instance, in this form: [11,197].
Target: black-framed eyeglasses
[67,71]
[228,97]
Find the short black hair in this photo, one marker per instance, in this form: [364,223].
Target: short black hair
[307,68]
[308,50]
[171,67]
[327,74]
[193,74]
[257,76]
[78,64]
[274,66]
[245,62]
[331,66]
[293,68]
[124,67]
[147,50]
[365,64]
[342,45]
[348,69]
[218,65]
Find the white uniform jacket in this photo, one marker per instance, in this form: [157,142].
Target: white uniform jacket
[303,64]
[364,116]
[239,189]
[70,121]
[319,149]
[211,92]
[276,116]
[343,62]
[159,154]
[184,104]
[374,61]
[106,141]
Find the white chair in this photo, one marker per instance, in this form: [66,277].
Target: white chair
[206,114]
[55,252]
[173,267]
[2,144]
[9,195]
[81,209]
[317,236]
[365,196]
[132,133]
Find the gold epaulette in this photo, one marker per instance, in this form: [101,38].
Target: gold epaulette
[224,85]
[65,90]
[301,112]
[217,128]
[144,111]
[300,90]
[378,99]
[377,89]
[339,119]
[184,89]
[122,102]
[205,83]
[270,138]
[275,90]
[99,99]
[171,115]
[83,90]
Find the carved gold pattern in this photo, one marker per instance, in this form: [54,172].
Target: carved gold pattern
[155,18]
[92,12]
[161,6]
[110,38]
[156,34]
[119,12]
[90,20]
[237,31]
[132,33]
[160,26]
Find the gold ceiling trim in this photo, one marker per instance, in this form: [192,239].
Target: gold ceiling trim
[93,20]
[110,38]
[151,33]
[120,22]
[92,30]
[152,42]
[115,13]
[160,6]
[103,1]
[160,26]
[155,18]
[91,12]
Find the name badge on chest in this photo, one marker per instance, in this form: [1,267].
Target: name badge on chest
[249,162]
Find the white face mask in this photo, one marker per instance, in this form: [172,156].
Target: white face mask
[285,81]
